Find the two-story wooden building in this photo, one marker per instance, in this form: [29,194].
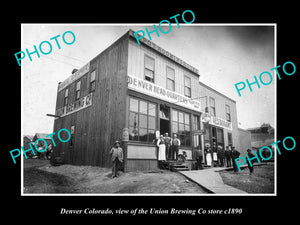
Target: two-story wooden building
[131,93]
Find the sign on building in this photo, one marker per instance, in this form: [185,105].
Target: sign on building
[75,106]
[217,121]
[159,92]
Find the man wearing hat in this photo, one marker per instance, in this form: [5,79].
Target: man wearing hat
[250,155]
[227,156]
[234,155]
[116,154]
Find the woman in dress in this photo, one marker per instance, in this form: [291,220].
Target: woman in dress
[208,154]
[161,148]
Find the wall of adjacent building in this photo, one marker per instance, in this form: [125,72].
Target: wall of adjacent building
[99,125]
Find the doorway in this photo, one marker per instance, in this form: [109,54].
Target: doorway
[217,140]
[164,119]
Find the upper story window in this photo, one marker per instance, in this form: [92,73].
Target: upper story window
[149,68]
[187,86]
[77,90]
[66,98]
[93,81]
[212,106]
[227,110]
[170,78]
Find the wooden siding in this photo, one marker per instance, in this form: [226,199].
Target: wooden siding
[99,125]
[141,164]
[141,152]
[220,102]
[136,56]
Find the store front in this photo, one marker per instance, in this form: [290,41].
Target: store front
[151,116]
[214,134]
[134,93]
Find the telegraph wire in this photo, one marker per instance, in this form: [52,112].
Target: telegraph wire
[70,57]
[61,55]
[62,62]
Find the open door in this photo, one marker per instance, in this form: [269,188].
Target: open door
[164,119]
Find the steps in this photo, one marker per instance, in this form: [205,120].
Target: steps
[179,167]
[175,166]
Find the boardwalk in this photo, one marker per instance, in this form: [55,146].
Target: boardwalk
[211,180]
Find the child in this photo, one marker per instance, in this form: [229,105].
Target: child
[182,157]
[116,154]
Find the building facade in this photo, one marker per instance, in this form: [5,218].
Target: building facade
[134,93]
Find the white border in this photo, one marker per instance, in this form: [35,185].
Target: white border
[147,24]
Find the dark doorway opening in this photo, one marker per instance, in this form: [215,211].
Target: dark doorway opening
[164,120]
[164,126]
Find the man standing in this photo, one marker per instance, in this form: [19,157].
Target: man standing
[227,156]
[49,151]
[214,154]
[168,143]
[116,154]
[250,155]
[175,143]
[199,158]
[235,154]
[221,155]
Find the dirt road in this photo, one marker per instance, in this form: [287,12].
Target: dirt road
[41,177]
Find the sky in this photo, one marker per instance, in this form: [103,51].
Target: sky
[223,54]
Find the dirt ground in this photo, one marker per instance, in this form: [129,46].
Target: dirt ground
[41,177]
[261,181]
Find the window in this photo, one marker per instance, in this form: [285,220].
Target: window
[227,109]
[77,90]
[196,126]
[229,135]
[92,81]
[187,86]
[181,126]
[170,79]
[142,120]
[220,139]
[149,68]
[66,98]
[212,106]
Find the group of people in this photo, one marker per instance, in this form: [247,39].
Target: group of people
[168,150]
[167,147]
[217,156]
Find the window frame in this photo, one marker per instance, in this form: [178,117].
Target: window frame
[92,82]
[145,68]
[149,114]
[187,87]
[77,91]
[66,97]
[228,114]
[187,133]
[212,108]
[170,79]
[229,137]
